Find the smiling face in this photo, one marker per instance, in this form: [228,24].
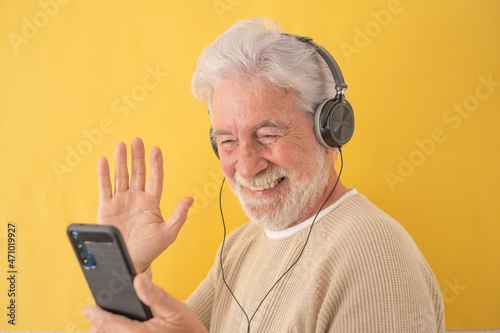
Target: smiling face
[269,153]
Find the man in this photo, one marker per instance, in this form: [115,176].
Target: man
[356,270]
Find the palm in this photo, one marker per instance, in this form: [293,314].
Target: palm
[143,221]
[135,210]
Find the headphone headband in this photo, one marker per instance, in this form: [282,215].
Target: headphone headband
[334,118]
[340,84]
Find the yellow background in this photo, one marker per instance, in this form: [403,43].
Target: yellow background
[66,69]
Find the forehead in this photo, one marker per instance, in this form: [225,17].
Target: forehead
[242,101]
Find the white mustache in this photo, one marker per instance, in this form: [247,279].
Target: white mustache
[265,179]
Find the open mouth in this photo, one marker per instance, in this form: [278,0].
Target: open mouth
[266,186]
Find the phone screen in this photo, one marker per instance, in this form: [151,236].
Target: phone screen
[107,267]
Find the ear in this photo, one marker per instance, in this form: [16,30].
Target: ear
[332,151]
[332,155]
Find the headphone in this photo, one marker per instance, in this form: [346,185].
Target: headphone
[334,118]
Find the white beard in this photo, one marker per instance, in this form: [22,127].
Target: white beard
[295,199]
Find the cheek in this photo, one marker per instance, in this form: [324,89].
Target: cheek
[300,160]
[228,168]
[294,151]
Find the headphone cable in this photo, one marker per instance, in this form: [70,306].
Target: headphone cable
[249,320]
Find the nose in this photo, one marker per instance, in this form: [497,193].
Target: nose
[250,160]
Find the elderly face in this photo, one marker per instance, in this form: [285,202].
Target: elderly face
[268,152]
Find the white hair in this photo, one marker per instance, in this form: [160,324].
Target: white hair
[258,49]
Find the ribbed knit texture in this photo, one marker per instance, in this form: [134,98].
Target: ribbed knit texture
[360,272]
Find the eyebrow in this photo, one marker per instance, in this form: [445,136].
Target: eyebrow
[215,134]
[273,124]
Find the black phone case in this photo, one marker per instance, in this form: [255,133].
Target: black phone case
[110,281]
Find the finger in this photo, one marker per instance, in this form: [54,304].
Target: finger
[103,321]
[173,224]
[105,190]
[155,297]
[155,181]
[138,179]
[121,169]
[174,316]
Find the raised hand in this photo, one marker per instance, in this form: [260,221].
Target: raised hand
[134,208]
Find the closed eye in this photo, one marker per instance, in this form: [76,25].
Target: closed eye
[228,144]
[268,139]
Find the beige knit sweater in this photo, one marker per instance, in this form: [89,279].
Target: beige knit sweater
[360,272]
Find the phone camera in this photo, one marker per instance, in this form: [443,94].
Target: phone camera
[86,257]
[89,261]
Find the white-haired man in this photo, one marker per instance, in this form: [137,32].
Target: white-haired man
[315,256]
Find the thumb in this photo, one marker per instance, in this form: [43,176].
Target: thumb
[176,316]
[103,321]
[173,224]
[155,297]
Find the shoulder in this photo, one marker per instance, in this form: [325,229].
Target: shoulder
[357,235]
[359,221]
[368,258]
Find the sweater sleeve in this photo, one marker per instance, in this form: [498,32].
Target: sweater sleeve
[382,283]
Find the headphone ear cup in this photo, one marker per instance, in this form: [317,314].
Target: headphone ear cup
[334,123]
[318,122]
[214,144]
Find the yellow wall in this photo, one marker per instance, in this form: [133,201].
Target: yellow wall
[424,80]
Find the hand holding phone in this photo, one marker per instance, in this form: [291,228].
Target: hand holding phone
[173,316]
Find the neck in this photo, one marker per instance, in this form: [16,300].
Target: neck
[339,191]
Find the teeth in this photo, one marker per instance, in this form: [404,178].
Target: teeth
[266,186]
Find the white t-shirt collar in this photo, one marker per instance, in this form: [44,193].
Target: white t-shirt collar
[290,231]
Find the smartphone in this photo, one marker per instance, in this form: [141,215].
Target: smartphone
[107,267]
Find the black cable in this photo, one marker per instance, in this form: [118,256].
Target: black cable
[222,247]
[249,320]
